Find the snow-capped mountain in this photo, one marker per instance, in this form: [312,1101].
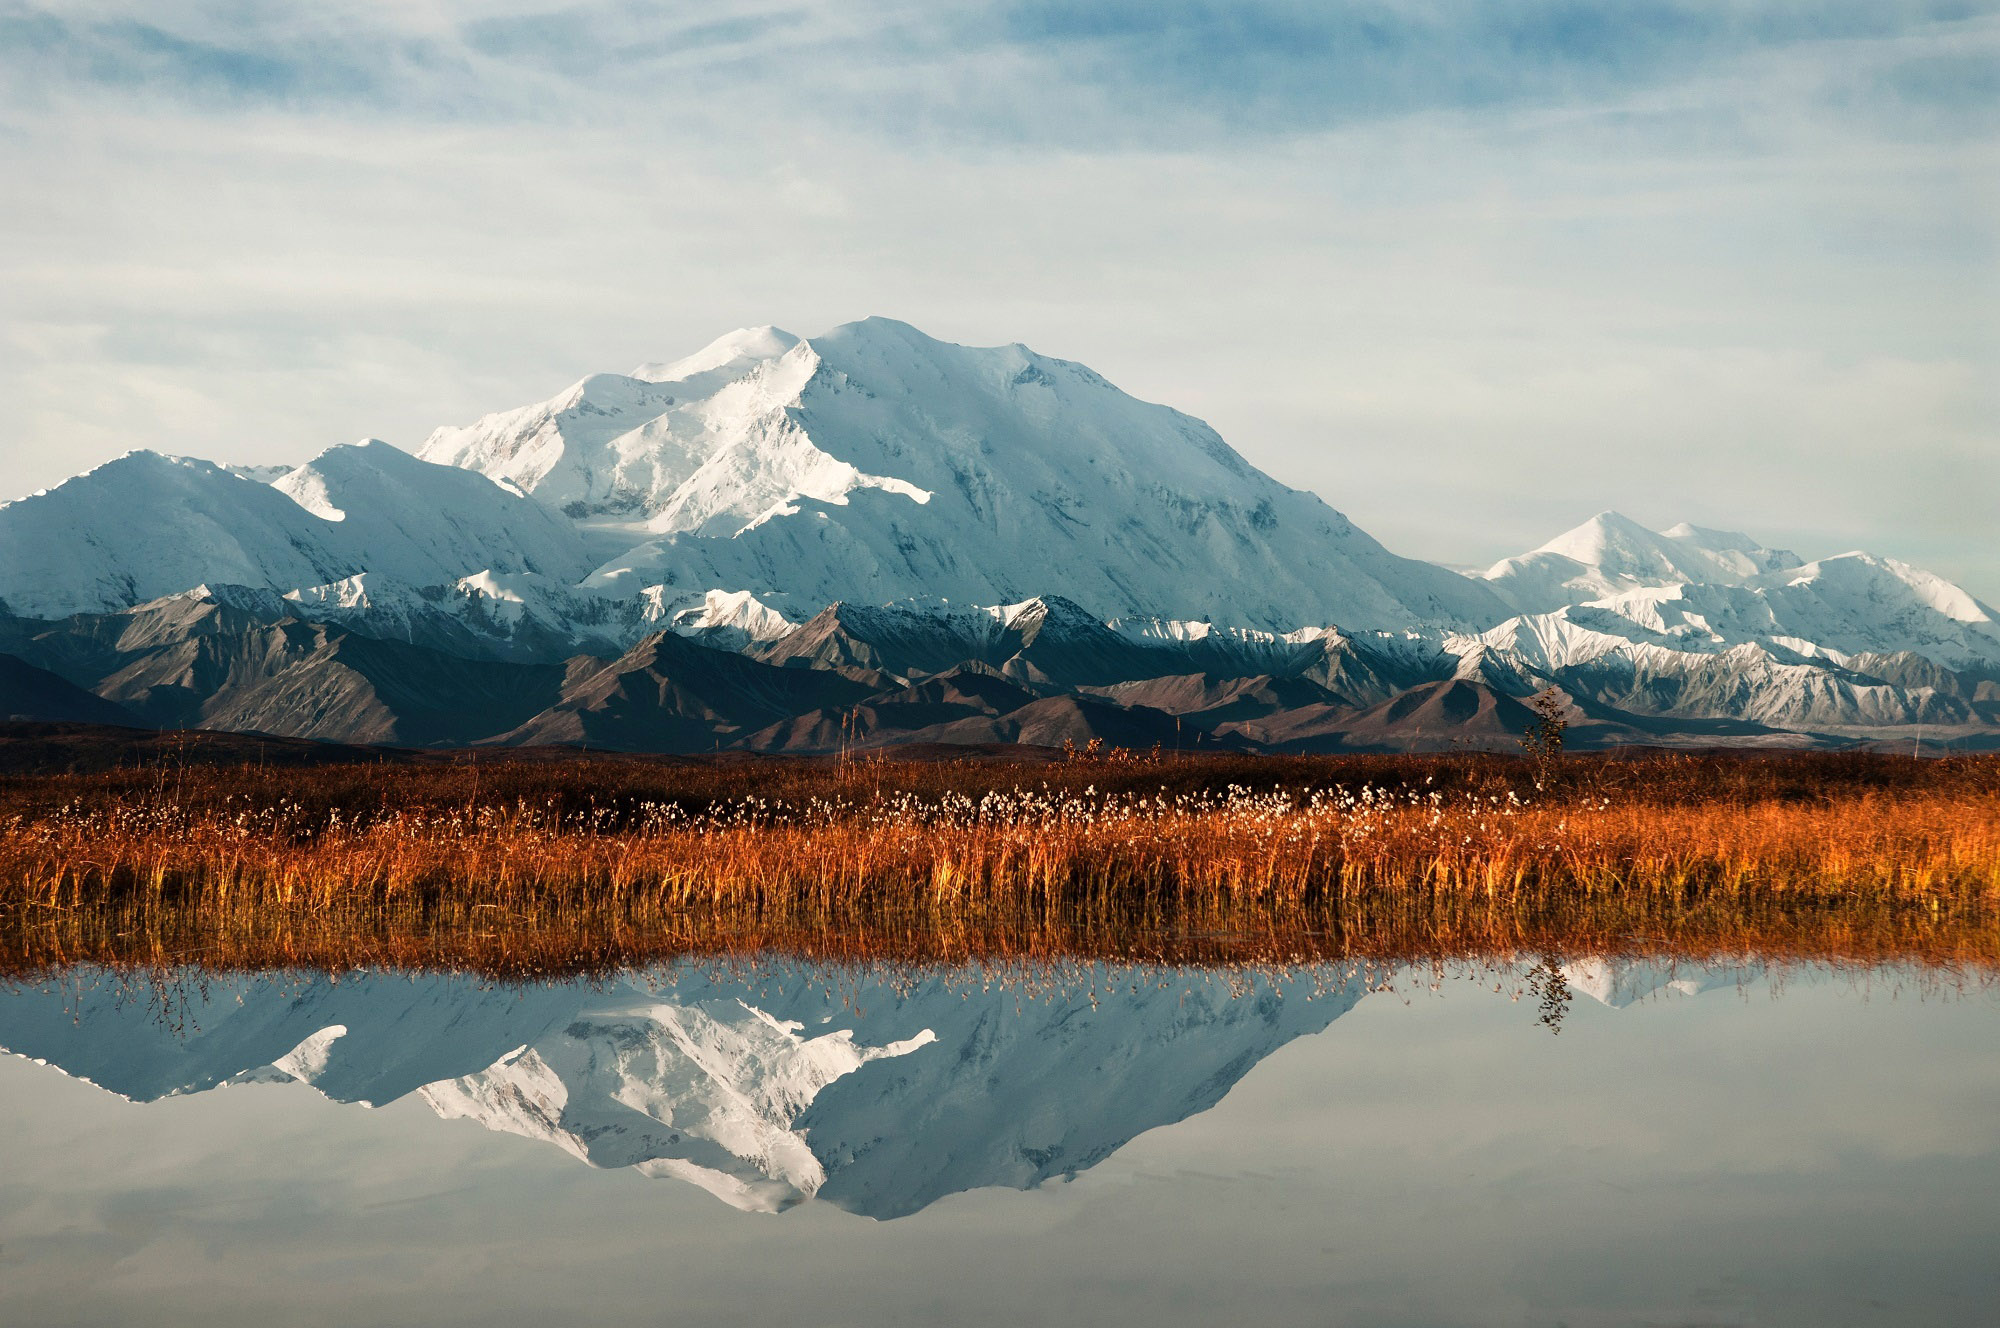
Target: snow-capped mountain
[896,509]
[422,523]
[1701,624]
[1707,590]
[874,464]
[1611,554]
[147,525]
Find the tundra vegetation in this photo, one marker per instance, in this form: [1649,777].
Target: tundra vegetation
[523,867]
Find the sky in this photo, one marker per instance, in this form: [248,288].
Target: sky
[1471,272]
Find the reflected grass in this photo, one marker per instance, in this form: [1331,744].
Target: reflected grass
[1376,928]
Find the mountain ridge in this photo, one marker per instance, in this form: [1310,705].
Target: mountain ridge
[874,463]
[880,509]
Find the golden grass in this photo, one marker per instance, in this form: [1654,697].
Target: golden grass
[560,868]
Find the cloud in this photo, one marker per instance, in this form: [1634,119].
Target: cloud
[1416,255]
[48,50]
[1294,65]
[1143,71]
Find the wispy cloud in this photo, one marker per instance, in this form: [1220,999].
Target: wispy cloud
[1293,65]
[1400,251]
[1135,69]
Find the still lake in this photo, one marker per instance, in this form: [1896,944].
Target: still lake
[1603,1142]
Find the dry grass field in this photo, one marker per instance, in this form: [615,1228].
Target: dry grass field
[547,867]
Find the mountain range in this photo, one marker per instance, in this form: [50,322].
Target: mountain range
[872,537]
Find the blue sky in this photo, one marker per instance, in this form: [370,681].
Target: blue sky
[1472,272]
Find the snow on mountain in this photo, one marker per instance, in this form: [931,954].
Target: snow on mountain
[1829,610]
[525,616]
[426,523]
[1362,667]
[1598,656]
[1610,554]
[875,464]
[263,474]
[851,501]
[1704,590]
[721,361]
[620,446]
[1859,602]
[1706,624]
[147,525]
[574,451]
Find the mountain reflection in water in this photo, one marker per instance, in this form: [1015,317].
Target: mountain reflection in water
[1749,1141]
[875,1090]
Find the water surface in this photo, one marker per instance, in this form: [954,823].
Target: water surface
[1601,1142]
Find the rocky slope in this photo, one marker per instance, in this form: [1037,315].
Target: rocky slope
[1044,674]
[29,694]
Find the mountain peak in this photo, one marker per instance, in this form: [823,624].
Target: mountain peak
[1611,555]
[144,461]
[1604,535]
[875,463]
[732,350]
[882,331]
[1707,538]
